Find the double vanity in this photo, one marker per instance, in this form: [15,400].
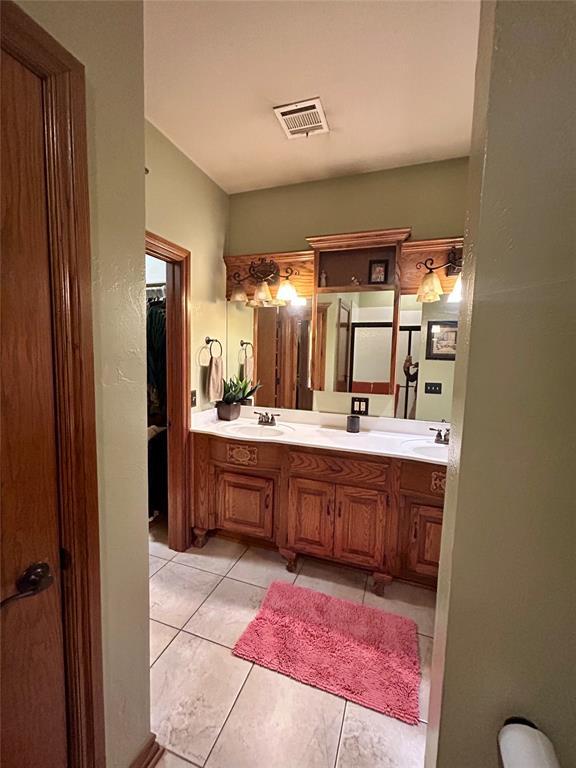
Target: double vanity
[372,500]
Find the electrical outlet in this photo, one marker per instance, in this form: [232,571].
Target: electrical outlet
[432,388]
[193,398]
[359,406]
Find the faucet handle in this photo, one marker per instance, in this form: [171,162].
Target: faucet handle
[438,438]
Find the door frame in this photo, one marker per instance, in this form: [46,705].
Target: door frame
[177,261]
[68,213]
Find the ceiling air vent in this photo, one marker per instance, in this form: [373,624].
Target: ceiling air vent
[302,118]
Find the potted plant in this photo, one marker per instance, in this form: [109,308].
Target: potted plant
[236,391]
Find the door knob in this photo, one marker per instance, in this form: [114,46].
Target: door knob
[36,578]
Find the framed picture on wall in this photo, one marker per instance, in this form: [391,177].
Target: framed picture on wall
[441,339]
[378,272]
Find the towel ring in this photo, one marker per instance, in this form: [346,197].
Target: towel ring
[209,343]
[245,345]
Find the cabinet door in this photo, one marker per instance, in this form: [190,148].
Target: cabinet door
[360,526]
[245,504]
[422,528]
[311,516]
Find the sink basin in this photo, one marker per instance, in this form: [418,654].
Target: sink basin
[253,430]
[427,449]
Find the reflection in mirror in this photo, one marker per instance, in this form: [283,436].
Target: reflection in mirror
[354,350]
[272,345]
[353,353]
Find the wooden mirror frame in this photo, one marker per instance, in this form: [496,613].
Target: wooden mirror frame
[374,239]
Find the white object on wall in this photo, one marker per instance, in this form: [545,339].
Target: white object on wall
[524,746]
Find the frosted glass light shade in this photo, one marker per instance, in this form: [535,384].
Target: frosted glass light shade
[287,292]
[430,288]
[238,294]
[456,292]
[262,292]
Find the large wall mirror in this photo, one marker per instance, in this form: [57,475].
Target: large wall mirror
[354,340]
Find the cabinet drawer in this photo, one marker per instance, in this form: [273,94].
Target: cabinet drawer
[340,470]
[245,454]
[429,479]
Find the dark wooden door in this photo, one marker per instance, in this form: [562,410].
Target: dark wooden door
[360,526]
[245,504]
[311,516]
[33,704]
[266,353]
[422,533]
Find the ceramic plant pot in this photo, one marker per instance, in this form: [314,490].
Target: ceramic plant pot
[228,411]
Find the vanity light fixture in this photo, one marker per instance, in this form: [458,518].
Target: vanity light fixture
[239,294]
[430,288]
[287,293]
[262,293]
[264,272]
[456,292]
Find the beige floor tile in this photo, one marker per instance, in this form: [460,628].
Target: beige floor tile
[425,665]
[413,602]
[158,542]
[176,591]
[169,760]
[217,555]
[193,686]
[227,612]
[160,636]
[372,740]
[280,723]
[261,567]
[154,564]
[333,580]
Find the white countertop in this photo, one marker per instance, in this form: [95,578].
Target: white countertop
[397,438]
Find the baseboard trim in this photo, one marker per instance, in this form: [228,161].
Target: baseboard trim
[150,754]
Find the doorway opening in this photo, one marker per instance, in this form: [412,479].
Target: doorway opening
[168,375]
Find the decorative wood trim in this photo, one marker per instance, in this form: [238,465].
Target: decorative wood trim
[149,755]
[69,236]
[438,482]
[178,384]
[164,249]
[439,244]
[368,239]
[245,455]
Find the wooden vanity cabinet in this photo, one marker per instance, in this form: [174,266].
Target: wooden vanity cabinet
[421,504]
[374,512]
[359,526]
[310,517]
[245,504]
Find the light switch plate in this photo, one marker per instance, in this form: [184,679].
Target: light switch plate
[360,406]
[432,388]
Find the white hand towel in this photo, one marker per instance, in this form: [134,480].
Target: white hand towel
[215,382]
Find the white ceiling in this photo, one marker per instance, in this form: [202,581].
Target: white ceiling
[396,80]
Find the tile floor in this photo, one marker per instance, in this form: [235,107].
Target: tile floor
[213,710]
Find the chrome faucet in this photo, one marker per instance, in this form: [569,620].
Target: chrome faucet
[266,419]
[441,439]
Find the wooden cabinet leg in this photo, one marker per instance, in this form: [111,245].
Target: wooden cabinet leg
[381,580]
[291,558]
[200,537]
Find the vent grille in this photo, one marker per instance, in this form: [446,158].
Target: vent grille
[302,118]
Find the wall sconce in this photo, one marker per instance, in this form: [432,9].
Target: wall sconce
[430,288]
[264,273]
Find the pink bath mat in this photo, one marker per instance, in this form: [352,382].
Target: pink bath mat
[360,653]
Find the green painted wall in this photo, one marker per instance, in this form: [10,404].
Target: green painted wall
[186,206]
[430,198]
